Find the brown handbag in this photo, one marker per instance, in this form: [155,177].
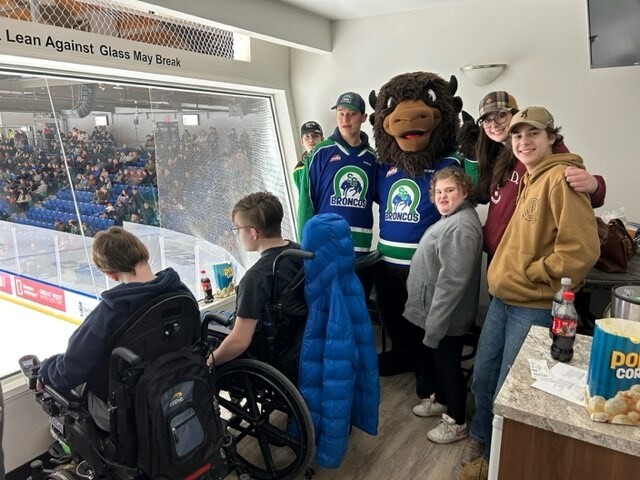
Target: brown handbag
[616,246]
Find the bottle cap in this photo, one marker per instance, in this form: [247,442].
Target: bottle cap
[568,295]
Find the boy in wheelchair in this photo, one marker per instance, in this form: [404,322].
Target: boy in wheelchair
[122,257]
[192,445]
[257,220]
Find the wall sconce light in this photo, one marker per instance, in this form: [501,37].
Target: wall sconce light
[482,74]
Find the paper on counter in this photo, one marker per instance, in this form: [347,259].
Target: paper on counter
[568,383]
[540,370]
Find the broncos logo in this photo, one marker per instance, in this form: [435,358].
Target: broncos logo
[351,186]
[401,200]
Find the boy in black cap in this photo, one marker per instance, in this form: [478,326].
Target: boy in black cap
[339,176]
[310,135]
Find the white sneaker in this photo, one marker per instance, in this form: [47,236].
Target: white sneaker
[447,431]
[428,407]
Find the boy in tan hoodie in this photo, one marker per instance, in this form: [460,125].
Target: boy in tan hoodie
[552,234]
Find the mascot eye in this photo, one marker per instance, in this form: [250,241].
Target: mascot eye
[432,95]
[390,102]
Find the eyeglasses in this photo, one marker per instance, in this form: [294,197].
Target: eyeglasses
[499,118]
[236,230]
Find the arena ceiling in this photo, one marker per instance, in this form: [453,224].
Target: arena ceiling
[25,93]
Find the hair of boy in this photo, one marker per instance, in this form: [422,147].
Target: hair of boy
[262,211]
[116,250]
[460,178]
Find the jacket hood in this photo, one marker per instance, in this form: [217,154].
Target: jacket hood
[120,297]
[567,159]
[336,137]
[328,235]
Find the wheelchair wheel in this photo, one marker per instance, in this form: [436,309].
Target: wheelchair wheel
[268,418]
[62,475]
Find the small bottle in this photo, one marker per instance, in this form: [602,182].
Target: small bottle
[205,284]
[563,329]
[565,286]
[565,283]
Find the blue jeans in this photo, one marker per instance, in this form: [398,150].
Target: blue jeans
[503,333]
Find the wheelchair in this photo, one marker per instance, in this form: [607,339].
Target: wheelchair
[265,413]
[261,424]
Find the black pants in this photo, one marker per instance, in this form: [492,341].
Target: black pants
[391,288]
[439,372]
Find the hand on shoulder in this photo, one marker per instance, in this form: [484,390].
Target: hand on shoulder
[580,180]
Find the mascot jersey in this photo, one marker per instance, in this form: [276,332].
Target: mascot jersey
[341,179]
[407,211]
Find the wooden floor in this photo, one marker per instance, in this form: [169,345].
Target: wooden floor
[401,449]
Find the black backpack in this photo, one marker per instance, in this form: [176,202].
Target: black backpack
[179,431]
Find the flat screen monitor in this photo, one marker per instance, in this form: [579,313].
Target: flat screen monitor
[614,32]
[190,119]
[101,120]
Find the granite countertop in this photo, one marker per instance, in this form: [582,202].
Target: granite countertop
[519,401]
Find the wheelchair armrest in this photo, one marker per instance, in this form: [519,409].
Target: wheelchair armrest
[121,358]
[54,402]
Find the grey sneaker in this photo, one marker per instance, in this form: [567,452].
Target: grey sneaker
[447,431]
[428,407]
[472,451]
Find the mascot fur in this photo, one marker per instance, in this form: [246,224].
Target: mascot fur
[415,124]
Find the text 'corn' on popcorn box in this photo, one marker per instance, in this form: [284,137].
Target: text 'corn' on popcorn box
[613,378]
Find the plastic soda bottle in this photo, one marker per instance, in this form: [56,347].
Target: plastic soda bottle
[205,284]
[563,329]
[565,283]
[557,298]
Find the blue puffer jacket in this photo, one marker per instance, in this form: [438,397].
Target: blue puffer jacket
[338,361]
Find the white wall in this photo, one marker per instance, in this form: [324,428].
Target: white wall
[545,45]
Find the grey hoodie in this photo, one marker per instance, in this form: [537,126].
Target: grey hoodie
[444,277]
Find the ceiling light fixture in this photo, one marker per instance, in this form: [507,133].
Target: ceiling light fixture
[483,74]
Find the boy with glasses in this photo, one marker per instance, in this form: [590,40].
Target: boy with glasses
[257,220]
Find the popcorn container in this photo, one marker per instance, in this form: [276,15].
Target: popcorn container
[223,277]
[613,378]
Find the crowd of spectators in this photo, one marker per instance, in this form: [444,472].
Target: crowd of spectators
[115,176]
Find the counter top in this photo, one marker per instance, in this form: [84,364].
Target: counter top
[519,401]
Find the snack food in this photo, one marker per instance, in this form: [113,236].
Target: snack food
[226,291]
[613,380]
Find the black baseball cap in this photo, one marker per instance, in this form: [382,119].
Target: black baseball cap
[313,127]
[351,100]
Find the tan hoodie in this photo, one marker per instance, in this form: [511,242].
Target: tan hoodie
[552,234]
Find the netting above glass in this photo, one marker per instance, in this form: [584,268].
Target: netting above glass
[124,20]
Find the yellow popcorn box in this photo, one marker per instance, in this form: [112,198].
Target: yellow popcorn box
[613,378]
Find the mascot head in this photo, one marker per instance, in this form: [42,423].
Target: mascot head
[415,120]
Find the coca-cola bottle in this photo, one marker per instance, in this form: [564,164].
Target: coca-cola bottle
[563,329]
[565,283]
[565,286]
[205,284]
